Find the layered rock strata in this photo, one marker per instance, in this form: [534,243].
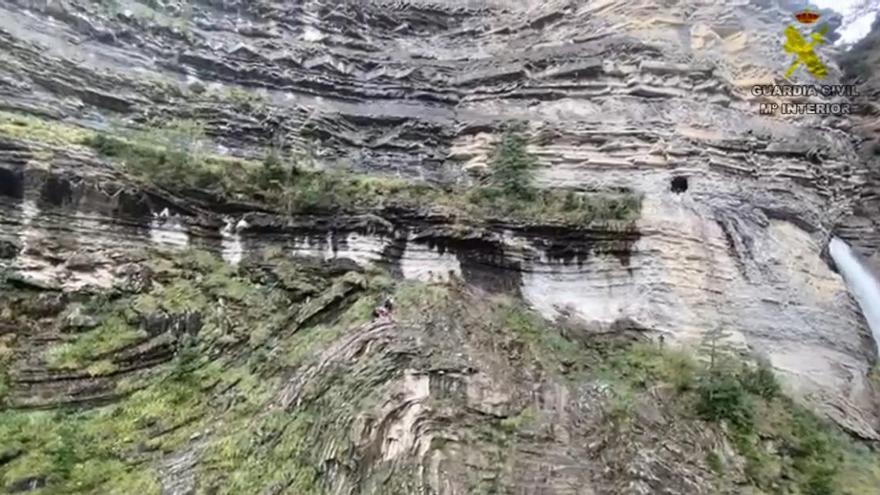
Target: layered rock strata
[737,206]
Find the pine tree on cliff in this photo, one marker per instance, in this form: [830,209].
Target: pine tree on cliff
[513,166]
[716,347]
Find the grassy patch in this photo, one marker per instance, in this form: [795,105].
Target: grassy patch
[252,447]
[113,333]
[282,448]
[523,420]
[272,451]
[310,341]
[176,155]
[787,449]
[117,448]
[541,339]
[642,365]
[111,449]
[172,153]
[178,296]
[6,354]
[20,126]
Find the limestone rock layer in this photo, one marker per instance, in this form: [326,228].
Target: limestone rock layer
[638,94]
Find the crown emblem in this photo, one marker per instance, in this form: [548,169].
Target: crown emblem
[806,17]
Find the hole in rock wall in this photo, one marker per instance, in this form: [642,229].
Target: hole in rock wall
[133,205]
[679,184]
[56,191]
[11,183]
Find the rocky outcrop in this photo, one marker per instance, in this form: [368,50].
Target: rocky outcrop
[737,207]
[272,377]
[613,99]
[860,64]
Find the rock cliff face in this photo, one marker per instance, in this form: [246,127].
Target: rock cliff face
[861,65]
[649,97]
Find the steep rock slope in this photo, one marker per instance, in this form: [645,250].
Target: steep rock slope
[193,377]
[736,207]
[861,64]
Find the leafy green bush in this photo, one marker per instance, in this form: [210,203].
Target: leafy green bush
[274,174]
[814,452]
[760,380]
[721,396]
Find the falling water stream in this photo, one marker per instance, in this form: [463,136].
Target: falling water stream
[861,282]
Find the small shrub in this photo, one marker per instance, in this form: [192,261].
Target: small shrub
[680,370]
[572,201]
[762,468]
[760,380]
[621,405]
[63,450]
[721,396]
[815,453]
[874,375]
[513,424]
[272,174]
[714,462]
[4,386]
[185,363]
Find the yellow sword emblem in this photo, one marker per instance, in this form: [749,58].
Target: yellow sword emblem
[803,51]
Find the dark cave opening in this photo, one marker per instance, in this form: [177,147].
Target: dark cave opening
[679,184]
[11,183]
[56,191]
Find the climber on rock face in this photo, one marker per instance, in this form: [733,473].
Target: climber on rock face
[383,311]
[380,313]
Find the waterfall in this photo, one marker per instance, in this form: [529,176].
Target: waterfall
[230,241]
[168,230]
[861,283]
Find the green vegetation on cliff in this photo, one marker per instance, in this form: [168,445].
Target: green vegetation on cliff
[270,377]
[171,156]
[285,387]
[176,155]
[785,447]
[510,191]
